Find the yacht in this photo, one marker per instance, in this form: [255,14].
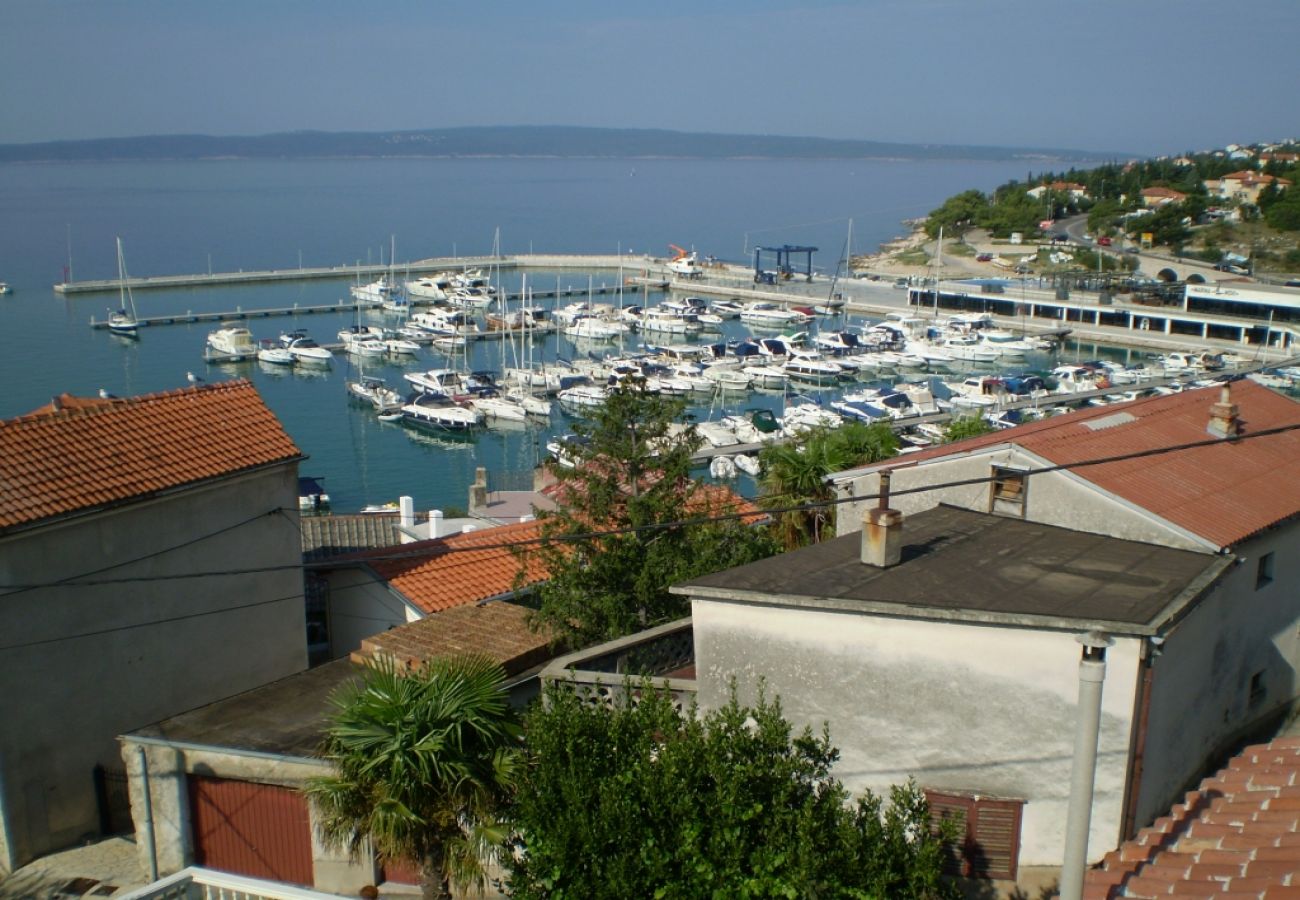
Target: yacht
[234,341]
[765,314]
[431,287]
[304,349]
[432,411]
[375,292]
[376,392]
[272,352]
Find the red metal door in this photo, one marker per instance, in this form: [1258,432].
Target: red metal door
[259,830]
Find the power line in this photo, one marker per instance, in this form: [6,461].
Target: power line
[542,540]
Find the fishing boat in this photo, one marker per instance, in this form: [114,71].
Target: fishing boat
[125,321]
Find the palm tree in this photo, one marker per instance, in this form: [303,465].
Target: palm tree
[422,763]
[795,475]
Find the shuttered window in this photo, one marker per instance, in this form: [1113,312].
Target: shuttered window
[988,833]
[1007,492]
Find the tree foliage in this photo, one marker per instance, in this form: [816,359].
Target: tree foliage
[966,426]
[629,522]
[795,474]
[422,764]
[641,801]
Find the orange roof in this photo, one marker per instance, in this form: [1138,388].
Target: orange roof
[1235,836]
[76,455]
[500,631]
[1224,492]
[465,568]
[1163,192]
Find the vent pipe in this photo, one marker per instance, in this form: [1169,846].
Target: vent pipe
[1223,415]
[407,507]
[882,531]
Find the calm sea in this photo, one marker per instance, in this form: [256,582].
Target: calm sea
[229,215]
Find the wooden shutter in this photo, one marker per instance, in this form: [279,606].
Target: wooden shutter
[988,833]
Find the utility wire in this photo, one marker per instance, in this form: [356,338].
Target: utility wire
[660,526]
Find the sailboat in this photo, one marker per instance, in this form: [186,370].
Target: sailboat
[125,321]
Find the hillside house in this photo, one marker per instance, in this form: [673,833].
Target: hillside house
[1244,186]
[1154,197]
[150,561]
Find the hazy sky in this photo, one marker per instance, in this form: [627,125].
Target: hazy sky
[1147,76]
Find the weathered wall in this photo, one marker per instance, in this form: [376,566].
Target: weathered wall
[1201,683]
[129,645]
[333,869]
[360,606]
[965,708]
[1053,498]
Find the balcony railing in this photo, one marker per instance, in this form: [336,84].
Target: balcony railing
[603,672]
[205,884]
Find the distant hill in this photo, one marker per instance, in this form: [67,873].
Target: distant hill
[513,141]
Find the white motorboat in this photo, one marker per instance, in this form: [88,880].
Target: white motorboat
[532,404]
[717,433]
[723,468]
[970,348]
[726,309]
[583,396]
[430,287]
[396,346]
[437,412]
[451,381]
[447,321]
[804,417]
[767,376]
[376,292]
[811,369]
[687,265]
[748,464]
[593,328]
[272,352]
[729,379]
[376,392]
[304,349]
[765,314]
[470,298]
[233,341]
[498,408]
[1005,342]
[526,319]
[665,321]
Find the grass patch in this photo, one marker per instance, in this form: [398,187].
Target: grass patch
[959,250]
[914,258]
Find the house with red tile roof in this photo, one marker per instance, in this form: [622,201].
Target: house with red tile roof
[1237,835]
[151,563]
[1159,196]
[1212,475]
[1244,186]
[375,590]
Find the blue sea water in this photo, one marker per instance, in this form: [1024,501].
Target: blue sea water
[227,215]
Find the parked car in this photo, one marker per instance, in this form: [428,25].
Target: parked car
[1103,241]
[984,257]
[900,283]
[1060,238]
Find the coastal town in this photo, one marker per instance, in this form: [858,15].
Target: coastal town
[1055,609]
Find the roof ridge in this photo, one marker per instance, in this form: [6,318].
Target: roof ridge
[91,406]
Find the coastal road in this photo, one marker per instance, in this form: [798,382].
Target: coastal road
[1150,263]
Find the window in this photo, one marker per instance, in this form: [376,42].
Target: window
[1264,571]
[988,833]
[1257,689]
[1007,492]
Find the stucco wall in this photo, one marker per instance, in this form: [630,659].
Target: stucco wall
[1200,691]
[1053,498]
[85,662]
[333,868]
[964,708]
[361,606]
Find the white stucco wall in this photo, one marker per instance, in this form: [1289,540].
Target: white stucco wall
[960,707]
[83,663]
[1053,498]
[361,606]
[1200,691]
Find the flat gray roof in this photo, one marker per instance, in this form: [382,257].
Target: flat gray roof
[285,718]
[965,566]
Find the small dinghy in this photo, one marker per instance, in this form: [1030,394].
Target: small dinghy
[747,464]
[722,468]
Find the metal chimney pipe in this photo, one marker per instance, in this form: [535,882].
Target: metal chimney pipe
[1083,771]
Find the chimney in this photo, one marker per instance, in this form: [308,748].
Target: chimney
[1223,416]
[478,490]
[882,531]
[435,523]
[407,507]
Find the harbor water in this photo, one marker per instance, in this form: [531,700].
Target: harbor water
[177,218]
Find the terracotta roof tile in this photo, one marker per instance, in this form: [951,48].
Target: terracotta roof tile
[1228,839]
[499,630]
[461,569]
[1224,492]
[75,455]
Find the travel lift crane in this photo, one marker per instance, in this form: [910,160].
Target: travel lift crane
[784,267]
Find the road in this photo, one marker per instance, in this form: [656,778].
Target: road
[1149,263]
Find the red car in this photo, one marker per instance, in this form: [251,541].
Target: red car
[1103,241]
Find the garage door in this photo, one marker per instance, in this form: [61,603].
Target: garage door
[259,830]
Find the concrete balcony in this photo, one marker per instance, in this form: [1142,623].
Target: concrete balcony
[205,884]
[665,654]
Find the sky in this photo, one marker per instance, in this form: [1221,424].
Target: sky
[1144,77]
